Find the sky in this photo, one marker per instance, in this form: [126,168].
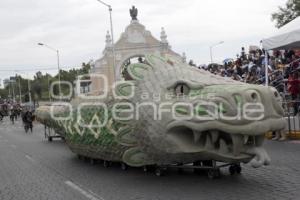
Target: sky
[77,28]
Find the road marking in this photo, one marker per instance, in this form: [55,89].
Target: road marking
[13,146]
[89,195]
[29,158]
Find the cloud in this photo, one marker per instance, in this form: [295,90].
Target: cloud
[78,27]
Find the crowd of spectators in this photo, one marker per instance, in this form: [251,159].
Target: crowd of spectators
[283,70]
[250,68]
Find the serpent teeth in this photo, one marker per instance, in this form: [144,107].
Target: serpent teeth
[223,147]
[208,143]
[197,136]
[246,137]
[214,136]
[237,141]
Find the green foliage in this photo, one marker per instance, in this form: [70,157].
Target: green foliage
[3,93]
[41,83]
[286,14]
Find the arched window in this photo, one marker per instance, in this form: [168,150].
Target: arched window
[131,60]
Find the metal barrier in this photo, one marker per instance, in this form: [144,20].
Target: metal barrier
[293,119]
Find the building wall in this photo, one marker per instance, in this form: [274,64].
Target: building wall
[135,41]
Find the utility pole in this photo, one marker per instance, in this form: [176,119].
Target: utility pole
[20,90]
[29,91]
[112,36]
[58,64]
[13,91]
[49,87]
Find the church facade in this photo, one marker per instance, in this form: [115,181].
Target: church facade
[134,42]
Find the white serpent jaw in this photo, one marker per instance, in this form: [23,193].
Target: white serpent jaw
[224,146]
[233,139]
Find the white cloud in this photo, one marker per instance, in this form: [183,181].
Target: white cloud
[78,27]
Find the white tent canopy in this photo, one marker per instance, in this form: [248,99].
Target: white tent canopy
[287,37]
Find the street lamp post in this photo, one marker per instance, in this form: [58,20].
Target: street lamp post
[211,47]
[29,91]
[13,90]
[112,34]
[20,91]
[58,63]
[49,87]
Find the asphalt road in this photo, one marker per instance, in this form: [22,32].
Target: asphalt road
[31,168]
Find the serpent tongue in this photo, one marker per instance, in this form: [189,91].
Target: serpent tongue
[261,157]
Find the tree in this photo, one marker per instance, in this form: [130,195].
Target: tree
[41,83]
[3,93]
[285,14]
[36,91]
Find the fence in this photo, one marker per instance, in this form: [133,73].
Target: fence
[292,118]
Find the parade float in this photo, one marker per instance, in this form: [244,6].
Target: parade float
[153,109]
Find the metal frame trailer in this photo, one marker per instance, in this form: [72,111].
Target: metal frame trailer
[50,134]
[210,167]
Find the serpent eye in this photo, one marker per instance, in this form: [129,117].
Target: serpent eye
[182,89]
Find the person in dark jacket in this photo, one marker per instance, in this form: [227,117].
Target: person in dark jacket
[27,120]
[294,89]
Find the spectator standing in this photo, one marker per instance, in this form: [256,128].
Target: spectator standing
[294,89]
